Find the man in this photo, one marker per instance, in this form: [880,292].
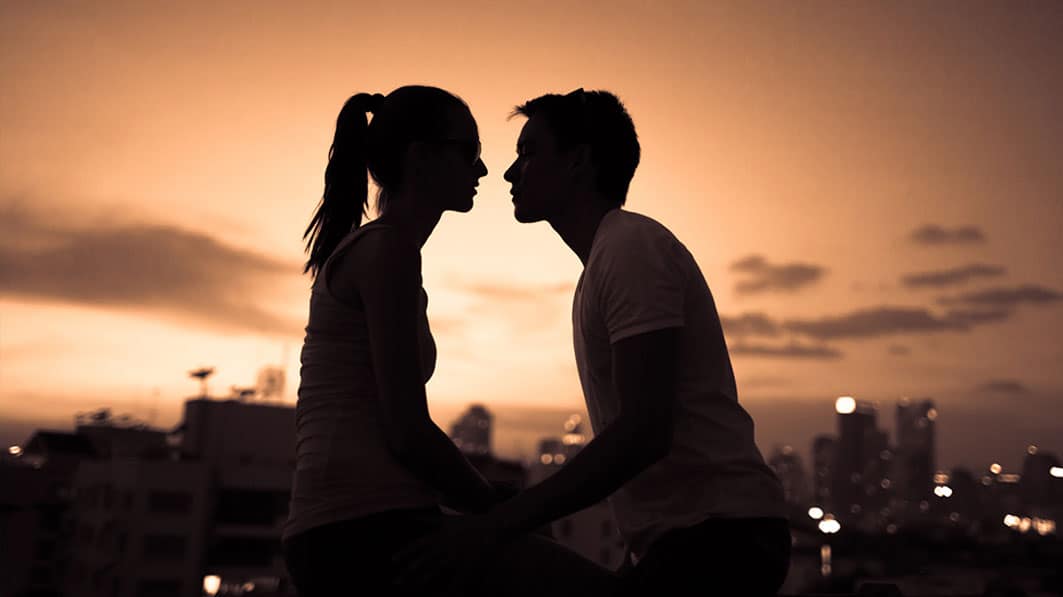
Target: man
[673,450]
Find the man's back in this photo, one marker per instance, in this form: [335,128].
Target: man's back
[640,278]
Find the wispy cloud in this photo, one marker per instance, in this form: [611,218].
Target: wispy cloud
[934,235]
[1004,297]
[874,322]
[157,268]
[952,277]
[768,277]
[1009,387]
[750,324]
[792,350]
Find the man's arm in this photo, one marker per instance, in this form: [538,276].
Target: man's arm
[644,373]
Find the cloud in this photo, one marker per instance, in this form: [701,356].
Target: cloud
[1010,387]
[952,277]
[875,322]
[157,268]
[1003,297]
[934,235]
[766,277]
[793,350]
[970,317]
[750,324]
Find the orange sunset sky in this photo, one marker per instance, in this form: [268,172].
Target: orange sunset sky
[874,191]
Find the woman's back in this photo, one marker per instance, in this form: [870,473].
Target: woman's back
[344,469]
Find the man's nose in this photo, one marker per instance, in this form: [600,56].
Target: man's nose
[511,173]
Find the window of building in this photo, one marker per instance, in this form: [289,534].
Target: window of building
[242,551]
[250,507]
[41,576]
[159,588]
[158,546]
[169,502]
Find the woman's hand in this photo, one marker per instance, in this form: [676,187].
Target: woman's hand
[451,555]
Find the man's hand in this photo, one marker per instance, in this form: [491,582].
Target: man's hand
[448,556]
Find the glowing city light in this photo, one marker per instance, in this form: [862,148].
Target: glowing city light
[845,405]
[995,468]
[932,413]
[546,458]
[815,513]
[211,584]
[559,459]
[1025,524]
[941,478]
[248,587]
[1011,521]
[1031,449]
[15,450]
[829,526]
[1044,526]
[943,491]
[1056,471]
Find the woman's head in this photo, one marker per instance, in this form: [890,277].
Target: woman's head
[422,144]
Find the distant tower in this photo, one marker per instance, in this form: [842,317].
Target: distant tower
[472,432]
[1040,489]
[270,383]
[202,374]
[791,472]
[915,450]
[824,455]
[857,438]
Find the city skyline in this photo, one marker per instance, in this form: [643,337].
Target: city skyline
[871,191]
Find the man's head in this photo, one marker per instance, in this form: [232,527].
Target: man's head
[575,146]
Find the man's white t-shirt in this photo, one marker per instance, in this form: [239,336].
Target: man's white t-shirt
[640,278]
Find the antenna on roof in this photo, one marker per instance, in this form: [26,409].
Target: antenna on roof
[202,374]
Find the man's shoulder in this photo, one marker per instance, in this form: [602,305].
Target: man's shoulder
[629,234]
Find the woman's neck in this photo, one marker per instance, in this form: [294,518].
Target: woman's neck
[415,223]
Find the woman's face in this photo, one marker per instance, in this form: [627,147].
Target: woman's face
[452,167]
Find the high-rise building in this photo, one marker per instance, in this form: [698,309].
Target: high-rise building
[857,440]
[915,463]
[1040,489]
[824,454]
[472,431]
[789,469]
[213,505]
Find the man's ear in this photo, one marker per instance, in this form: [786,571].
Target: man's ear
[580,165]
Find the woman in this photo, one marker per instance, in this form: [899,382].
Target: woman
[372,469]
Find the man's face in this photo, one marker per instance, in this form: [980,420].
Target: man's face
[540,175]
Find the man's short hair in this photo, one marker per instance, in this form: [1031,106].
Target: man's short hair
[599,119]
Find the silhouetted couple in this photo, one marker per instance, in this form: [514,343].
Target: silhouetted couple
[673,450]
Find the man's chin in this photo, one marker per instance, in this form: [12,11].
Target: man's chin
[525,216]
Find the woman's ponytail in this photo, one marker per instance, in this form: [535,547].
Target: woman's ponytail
[346,193]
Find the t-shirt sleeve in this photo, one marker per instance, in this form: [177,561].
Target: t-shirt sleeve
[639,286]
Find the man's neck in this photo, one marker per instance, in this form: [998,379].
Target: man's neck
[578,225]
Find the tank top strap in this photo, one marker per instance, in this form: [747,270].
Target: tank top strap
[342,248]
